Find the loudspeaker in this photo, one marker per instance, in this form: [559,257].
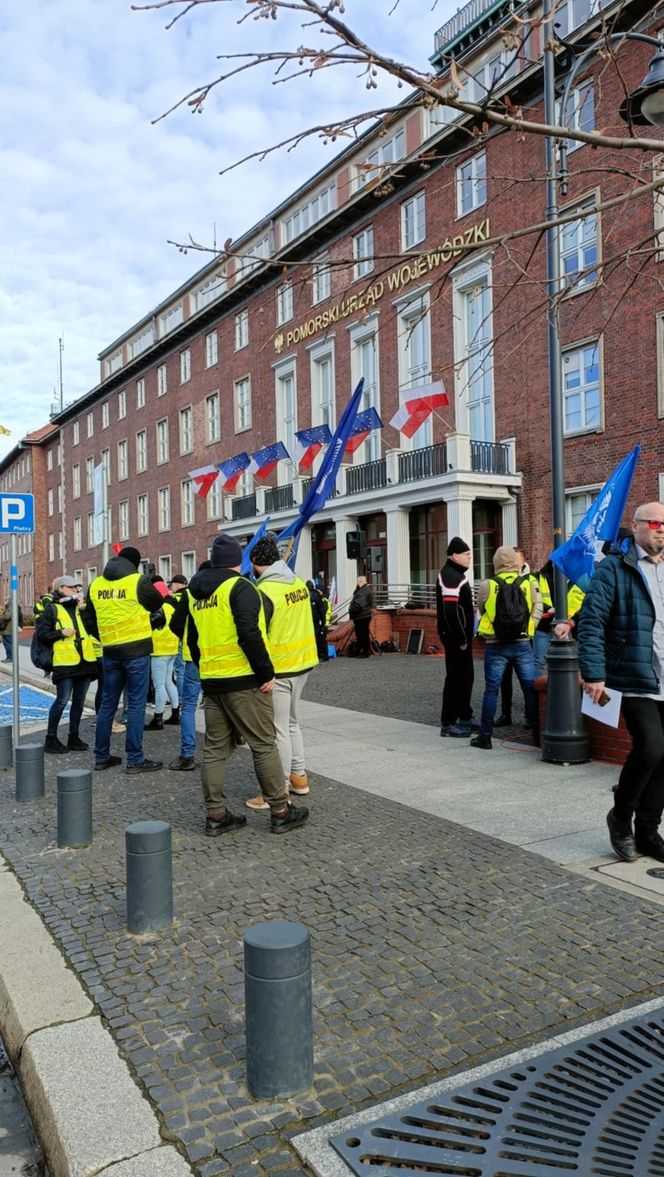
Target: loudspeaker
[355,541]
[375,559]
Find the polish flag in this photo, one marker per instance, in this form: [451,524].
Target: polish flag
[203,480]
[414,412]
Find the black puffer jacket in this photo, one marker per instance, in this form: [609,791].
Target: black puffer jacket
[246,603]
[615,629]
[50,633]
[361,604]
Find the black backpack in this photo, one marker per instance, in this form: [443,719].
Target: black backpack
[512,612]
[41,655]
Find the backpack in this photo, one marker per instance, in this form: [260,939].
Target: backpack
[41,655]
[512,612]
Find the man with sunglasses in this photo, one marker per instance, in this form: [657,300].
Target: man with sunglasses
[621,645]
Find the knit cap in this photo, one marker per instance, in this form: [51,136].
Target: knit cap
[132,555]
[226,552]
[456,546]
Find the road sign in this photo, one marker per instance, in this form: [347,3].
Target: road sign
[17,514]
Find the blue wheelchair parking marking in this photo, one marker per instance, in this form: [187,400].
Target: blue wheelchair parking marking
[34,705]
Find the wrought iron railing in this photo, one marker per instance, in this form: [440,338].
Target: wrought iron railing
[278,498]
[423,463]
[306,487]
[488,457]
[368,476]
[244,508]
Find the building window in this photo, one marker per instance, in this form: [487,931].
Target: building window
[211,349]
[579,111]
[473,348]
[59,498]
[241,330]
[104,415]
[77,433]
[253,254]
[164,498]
[162,380]
[322,282]
[324,202]
[364,363]
[123,465]
[115,362]
[185,366]
[286,398]
[90,423]
[140,393]
[141,450]
[50,502]
[284,303]
[76,481]
[89,475]
[106,463]
[170,319]
[210,290]
[142,342]
[186,431]
[572,13]
[322,388]
[413,223]
[214,501]
[51,547]
[577,503]
[49,460]
[388,152]
[165,568]
[363,248]
[123,520]
[414,357]
[242,404]
[122,404]
[162,440]
[212,418]
[579,249]
[188,564]
[187,502]
[142,515]
[471,184]
[581,388]
[78,534]
[91,531]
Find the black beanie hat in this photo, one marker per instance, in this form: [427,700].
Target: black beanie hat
[226,552]
[132,555]
[456,546]
[265,550]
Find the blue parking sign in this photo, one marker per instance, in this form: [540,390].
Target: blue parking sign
[17,514]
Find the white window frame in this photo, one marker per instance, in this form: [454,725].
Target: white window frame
[473,354]
[584,496]
[574,245]
[471,184]
[76,480]
[212,418]
[163,443]
[78,534]
[106,463]
[188,564]
[242,408]
[210,290]
[76,433]
[187,503]
[123,519]
[162,380]
[365,362]
[285,304]
[363,252]
[123,459]
[49,460]
[141,451]
[105,415]
[214,501]
[241,330]
[414,358]
[285,399]
[186,429]
[165,568]
[170,319]
[140,393]
[122,404]
[322,383]
[387,152]
[584,390]
[413,221]
[211,349]
[579,112]
[164,508]
[89,475]
[143,514]
[91,531]
[321,282]
[185,366]
[142,341]
[90,420]
[307,215]
[50,499]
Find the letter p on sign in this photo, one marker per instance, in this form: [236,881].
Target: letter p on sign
[17,513]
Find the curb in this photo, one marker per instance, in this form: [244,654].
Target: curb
[87,1110]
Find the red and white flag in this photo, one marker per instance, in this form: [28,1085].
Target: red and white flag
[420,404]
[204,479]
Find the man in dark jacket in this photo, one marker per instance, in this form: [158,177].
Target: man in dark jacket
[359,611]
[319,616]
[226,633]
[118,608]
[621,645]
[455,619]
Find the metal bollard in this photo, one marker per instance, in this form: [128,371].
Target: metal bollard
[278,1010]
[74,808]
[29,760]
[6,745]
[149,876]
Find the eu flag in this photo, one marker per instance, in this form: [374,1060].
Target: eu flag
[264,461]
[231,470]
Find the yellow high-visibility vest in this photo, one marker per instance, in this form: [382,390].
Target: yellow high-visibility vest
[164,641]
[220,652]
[291,634]
[70,651]
[485,628]
[120,616]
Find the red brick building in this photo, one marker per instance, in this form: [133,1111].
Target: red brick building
[391,264]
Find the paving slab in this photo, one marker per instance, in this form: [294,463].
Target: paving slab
[159,1162]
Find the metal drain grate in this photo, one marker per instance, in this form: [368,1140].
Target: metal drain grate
[592,1108]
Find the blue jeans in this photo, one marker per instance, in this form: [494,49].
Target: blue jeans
[7,641]
[134,673]
[178,671]
[161,666]
[497,657]
[191,689]
[74,688]
[541,643]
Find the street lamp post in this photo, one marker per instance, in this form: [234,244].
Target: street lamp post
[564,738]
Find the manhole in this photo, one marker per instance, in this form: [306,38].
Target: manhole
[592,1108]
[657,872]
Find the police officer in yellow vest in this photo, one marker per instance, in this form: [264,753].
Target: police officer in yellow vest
[118,608]
[165,646]
[190,691]
[62,627]
[292,641]
[227,638]
[499,652]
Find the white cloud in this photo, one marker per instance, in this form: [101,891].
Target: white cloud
[92,189]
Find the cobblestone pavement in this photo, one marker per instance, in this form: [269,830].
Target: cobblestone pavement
[434,947]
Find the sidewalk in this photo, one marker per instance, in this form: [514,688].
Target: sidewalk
[440,939]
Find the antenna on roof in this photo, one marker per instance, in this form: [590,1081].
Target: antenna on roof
[61,348]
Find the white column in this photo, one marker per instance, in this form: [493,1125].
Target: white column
[510,530]
[460,522]
[398,553]
[458,453]
[347,570]
[304,563]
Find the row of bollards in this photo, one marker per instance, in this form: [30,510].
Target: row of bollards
[277,955]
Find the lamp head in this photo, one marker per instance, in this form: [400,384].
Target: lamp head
[645,105]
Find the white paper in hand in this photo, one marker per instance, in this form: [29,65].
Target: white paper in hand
[609,713]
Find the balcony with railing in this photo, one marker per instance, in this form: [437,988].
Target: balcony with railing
[244,508]
[423,463]
[279,498]
[367,476]
[488,457]
[463,20]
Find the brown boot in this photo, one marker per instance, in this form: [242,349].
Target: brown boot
[299,784]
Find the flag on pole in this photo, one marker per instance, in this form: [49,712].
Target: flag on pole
[264,461]
[576,557]
[363,425]
[204,479]
[324,483]
[332,594]
[246,569]
[420,404]
[309,444]
[231,470]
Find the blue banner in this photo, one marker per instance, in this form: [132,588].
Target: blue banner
[246,568]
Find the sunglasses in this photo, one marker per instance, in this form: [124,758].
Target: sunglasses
[653,524]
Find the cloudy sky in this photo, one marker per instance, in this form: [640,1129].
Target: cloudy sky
[92,189]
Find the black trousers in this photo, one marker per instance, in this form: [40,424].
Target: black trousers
[362,636]
[641,785]
[458,685]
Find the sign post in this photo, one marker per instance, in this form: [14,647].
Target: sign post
[17,517]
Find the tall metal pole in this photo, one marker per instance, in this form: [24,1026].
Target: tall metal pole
[105,528]
[564,739]
[13,583]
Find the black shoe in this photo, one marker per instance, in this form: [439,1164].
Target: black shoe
[503,721]
[230,821]
[622,840]
[144,766]
[156,724]
[183,764]
[482,742]
[650,844]
[110,763]
[75,744]
[295,815]
[53,744]
[174,718]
